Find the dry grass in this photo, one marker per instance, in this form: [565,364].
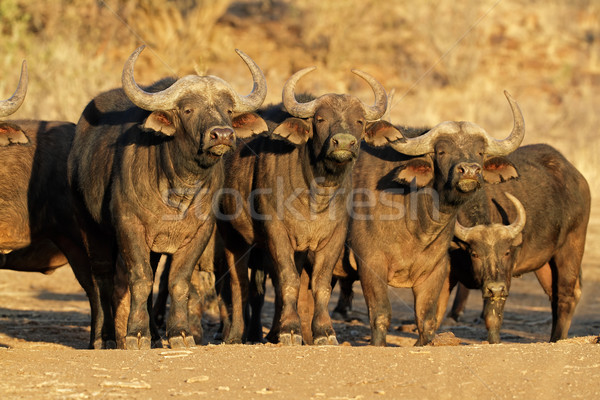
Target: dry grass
[445,60]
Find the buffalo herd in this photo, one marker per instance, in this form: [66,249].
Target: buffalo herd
[312,191]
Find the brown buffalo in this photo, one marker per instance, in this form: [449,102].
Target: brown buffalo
[287,195]
[406,201]
[144,169]
[549,209]
[38,231]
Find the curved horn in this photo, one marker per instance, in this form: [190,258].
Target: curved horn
[148,101]
[259,90]
[510,144]
[300,110]
[518,224]
[377,110]
[167,99]
[462,232]
[425,143]
[10,106]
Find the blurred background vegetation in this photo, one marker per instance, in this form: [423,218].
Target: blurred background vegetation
[444,60]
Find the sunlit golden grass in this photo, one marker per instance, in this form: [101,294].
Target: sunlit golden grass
[445,60]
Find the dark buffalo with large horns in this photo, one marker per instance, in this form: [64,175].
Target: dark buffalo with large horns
[548,202]
[144,170]
[406,201]
[288,196]
[38,231]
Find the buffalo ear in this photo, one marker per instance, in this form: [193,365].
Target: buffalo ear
[499,169]
[249,124]
[380,133]
[294,130]
[12,134]
[417,171]
[160,121]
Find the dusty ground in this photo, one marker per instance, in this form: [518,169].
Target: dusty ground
[44,329]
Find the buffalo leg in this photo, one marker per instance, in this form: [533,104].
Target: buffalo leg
[344,303]
[273,335]
[426,295]
[566,276]
[256,302]
[101,256]
[322,274]
[121,304]
[78,260]
[443,301]
[159,308]
[183,263]
[544,277]
[289,288]
[156,340]
[237,261]
[136,260]
[195,307]
[121,301]
[373,279]
[460,302]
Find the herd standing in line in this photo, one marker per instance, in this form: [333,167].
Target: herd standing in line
[322,187]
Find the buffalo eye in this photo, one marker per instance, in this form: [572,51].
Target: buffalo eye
[230,112]
[360,122]
[319,119]
[441,152]
[474,254]
[507,253]
[188,111]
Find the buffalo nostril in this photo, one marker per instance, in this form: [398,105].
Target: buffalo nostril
[335,142]
[461,170]
[496,290]
[221,134]
[352,143]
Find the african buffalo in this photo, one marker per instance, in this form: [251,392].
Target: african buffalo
[287,194]
[405,204]
[550,209]
[38,231]
[144,168]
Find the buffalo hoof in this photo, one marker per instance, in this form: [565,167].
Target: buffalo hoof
[272,337]
[456,316]
[339,315]
[198,339]
[110,345]
[255,340]
[181,342]
[326,341]
[290,339]
[137,343]
[493,337]
[104,344]
[233,340]
[157,344]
